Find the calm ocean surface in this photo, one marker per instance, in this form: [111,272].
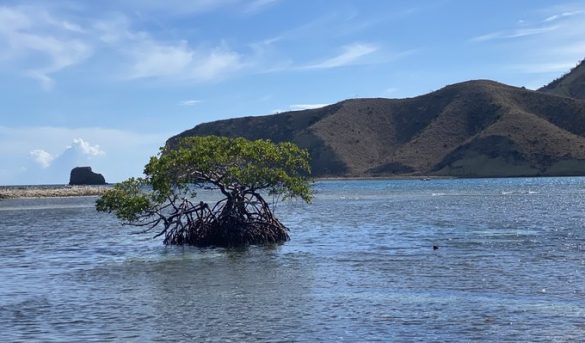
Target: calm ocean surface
[360,267]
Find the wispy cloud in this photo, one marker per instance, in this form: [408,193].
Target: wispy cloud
[149,57]
[545,67]
[515,33]
[350,55]
[564,15]
[185,8]
[558,22]
[300,107]
[259,5]
[191,102]
[175,7]
[154,59]
[40,43]
[549,43]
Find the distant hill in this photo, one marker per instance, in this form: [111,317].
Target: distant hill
[571,84]
[471,129]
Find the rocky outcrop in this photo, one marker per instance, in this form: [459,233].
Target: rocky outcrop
[85,176]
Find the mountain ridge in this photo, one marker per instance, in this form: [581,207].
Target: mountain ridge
[476,128]
[572,84]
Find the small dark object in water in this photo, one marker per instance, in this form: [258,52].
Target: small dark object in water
[435,247]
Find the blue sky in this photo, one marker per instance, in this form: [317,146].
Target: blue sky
[105,83]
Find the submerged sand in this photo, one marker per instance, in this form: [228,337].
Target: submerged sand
[50,191]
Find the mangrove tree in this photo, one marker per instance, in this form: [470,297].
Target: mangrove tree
[249,177]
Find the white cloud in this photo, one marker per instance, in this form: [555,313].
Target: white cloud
[127,153]
[77,151]
[215,64]
[148,57]
[300,107]
[179,61]
[54,168]
[72,27]
[191,102]
[42,45]
[113,30]
[159,60]
[42,157]
[350,55]
[86,148]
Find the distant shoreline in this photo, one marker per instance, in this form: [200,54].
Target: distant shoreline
[59,191]
[50,191]
[392,177]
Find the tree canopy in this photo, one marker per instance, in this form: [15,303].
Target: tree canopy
[243,171]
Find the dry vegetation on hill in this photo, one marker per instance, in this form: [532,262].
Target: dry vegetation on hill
[475,129]
[571,85]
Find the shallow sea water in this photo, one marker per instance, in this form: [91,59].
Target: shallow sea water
[360,267]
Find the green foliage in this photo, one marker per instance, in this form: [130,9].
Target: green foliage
[231,165]
[127,200]
[282,169]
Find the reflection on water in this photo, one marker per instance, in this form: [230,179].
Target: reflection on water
[360,267]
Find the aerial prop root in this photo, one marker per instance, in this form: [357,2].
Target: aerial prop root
[229,223]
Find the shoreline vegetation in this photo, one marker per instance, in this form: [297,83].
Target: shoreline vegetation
[50,191]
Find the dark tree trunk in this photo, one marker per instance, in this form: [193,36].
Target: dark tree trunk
[237,220]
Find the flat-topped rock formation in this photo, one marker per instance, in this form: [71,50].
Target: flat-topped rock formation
[85,176]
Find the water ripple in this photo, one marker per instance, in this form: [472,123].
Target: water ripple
[510,266]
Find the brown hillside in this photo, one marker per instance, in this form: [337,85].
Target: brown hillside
[571,85]
[475,128]
[288,126]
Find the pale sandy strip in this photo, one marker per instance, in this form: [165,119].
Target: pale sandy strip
[45,192]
